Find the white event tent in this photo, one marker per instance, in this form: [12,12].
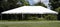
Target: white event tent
[30,10]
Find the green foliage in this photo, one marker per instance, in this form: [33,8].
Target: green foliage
[50,17]
[58,9]
[54,4]
[40,4]
[24,2]
[9,4]
[32,18]
[40,19]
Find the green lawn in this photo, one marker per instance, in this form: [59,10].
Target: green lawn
[29,23]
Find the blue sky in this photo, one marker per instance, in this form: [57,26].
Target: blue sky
[36,1]
[31,2]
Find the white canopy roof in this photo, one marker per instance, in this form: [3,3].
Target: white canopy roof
[30,10]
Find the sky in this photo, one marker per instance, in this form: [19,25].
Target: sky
[32,2]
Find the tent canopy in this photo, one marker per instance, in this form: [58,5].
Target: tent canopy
[30,10]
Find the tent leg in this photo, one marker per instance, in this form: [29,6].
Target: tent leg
[22,16]
[41,15]
[1,16]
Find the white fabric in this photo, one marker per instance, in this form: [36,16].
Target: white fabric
[30,10]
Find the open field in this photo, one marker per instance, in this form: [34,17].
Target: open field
[29,23]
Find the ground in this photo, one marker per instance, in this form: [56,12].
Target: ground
[29,23]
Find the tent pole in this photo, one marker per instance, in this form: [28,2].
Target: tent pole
[1,17]
[22,16]
[41,15]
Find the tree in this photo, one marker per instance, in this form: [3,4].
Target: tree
[1,7]
[58,10]
[9,4]
[54,4]
[24,2]
[40,4]
[12,4]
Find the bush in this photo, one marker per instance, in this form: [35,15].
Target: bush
[51,17]
[41,19]
[32,18]
[36,18]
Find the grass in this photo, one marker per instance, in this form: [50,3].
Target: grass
[29,23]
